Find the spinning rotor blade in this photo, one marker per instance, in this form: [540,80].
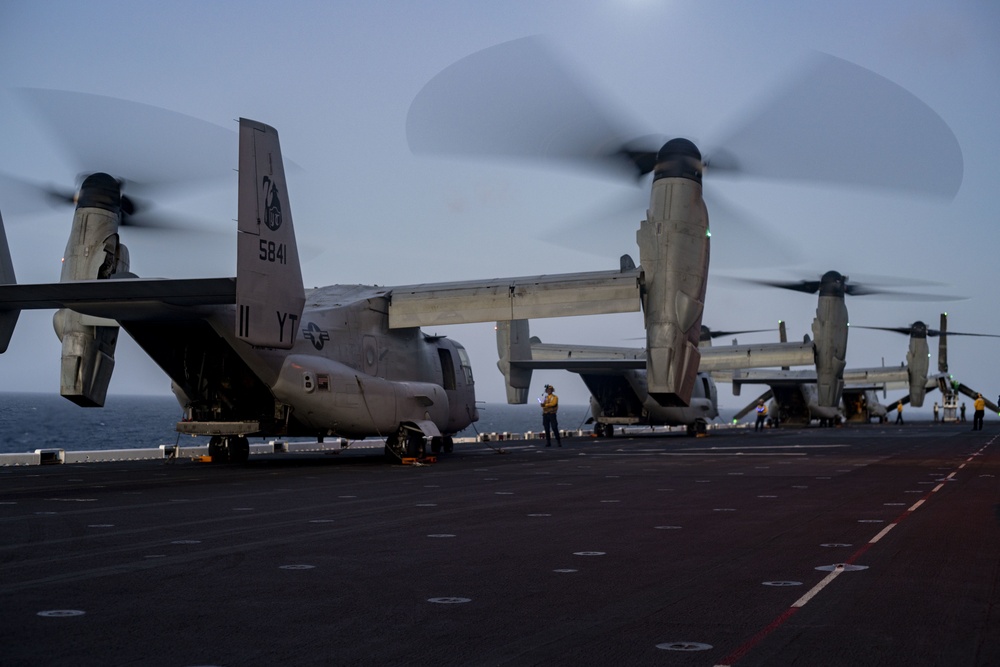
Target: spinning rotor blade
[707,334]
[146,148]
[833,283]
[930,332]
[807,286]
[149,146]
[517,100]
[841,123]
[837,122]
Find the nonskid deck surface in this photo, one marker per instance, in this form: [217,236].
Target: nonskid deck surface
[869,545]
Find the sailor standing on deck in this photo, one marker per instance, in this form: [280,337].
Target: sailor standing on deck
[980,411]
[550,406]
[899,412]
[761,416]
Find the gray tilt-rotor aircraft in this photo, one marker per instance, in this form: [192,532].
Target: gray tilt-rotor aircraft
[838,123]
[257,355]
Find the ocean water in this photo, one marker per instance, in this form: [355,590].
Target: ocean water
[48,421]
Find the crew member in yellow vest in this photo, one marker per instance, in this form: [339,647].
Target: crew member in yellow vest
[979,405]
[899,412]
[761,416]
[550,406]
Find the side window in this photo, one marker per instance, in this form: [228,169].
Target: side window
[447,368]
[463,357]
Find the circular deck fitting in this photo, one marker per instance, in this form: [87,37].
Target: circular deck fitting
[842,566]
[781,583]
[836,545]
[296,567]
[441,535]
[449,600]
[539,514]
[684,646]
[322,520]
[667,527]
[589,553]
[186,542]
[565,570]
[101,525]
[61,613]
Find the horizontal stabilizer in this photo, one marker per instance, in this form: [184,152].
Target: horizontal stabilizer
[101,297]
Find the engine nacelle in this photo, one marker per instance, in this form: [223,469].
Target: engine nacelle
[917,363]
[673,250]
[93,252]
[830,343]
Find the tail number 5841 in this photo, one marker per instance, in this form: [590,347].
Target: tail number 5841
[272,252]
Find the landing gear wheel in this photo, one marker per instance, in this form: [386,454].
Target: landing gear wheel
[395,445]
[405,443]
[239,449]
[218,450]
[449,444]
[699,427]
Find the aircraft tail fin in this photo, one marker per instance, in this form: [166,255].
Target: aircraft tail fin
[8,318]
[269,292]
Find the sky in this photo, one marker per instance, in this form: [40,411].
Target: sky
[337,79]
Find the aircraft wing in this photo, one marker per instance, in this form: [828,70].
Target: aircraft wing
[502,299]
[610,359]
[877,375]
[122,299]
[773,378]
[763,355]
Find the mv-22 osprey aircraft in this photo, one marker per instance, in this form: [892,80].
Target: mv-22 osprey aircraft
[794,392]
[257,355]
[517,100]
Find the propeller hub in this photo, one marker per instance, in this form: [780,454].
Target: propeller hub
[678,158]
[833,283]
[918,330]
[100,191]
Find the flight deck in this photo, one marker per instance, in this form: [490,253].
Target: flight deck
[863,545]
